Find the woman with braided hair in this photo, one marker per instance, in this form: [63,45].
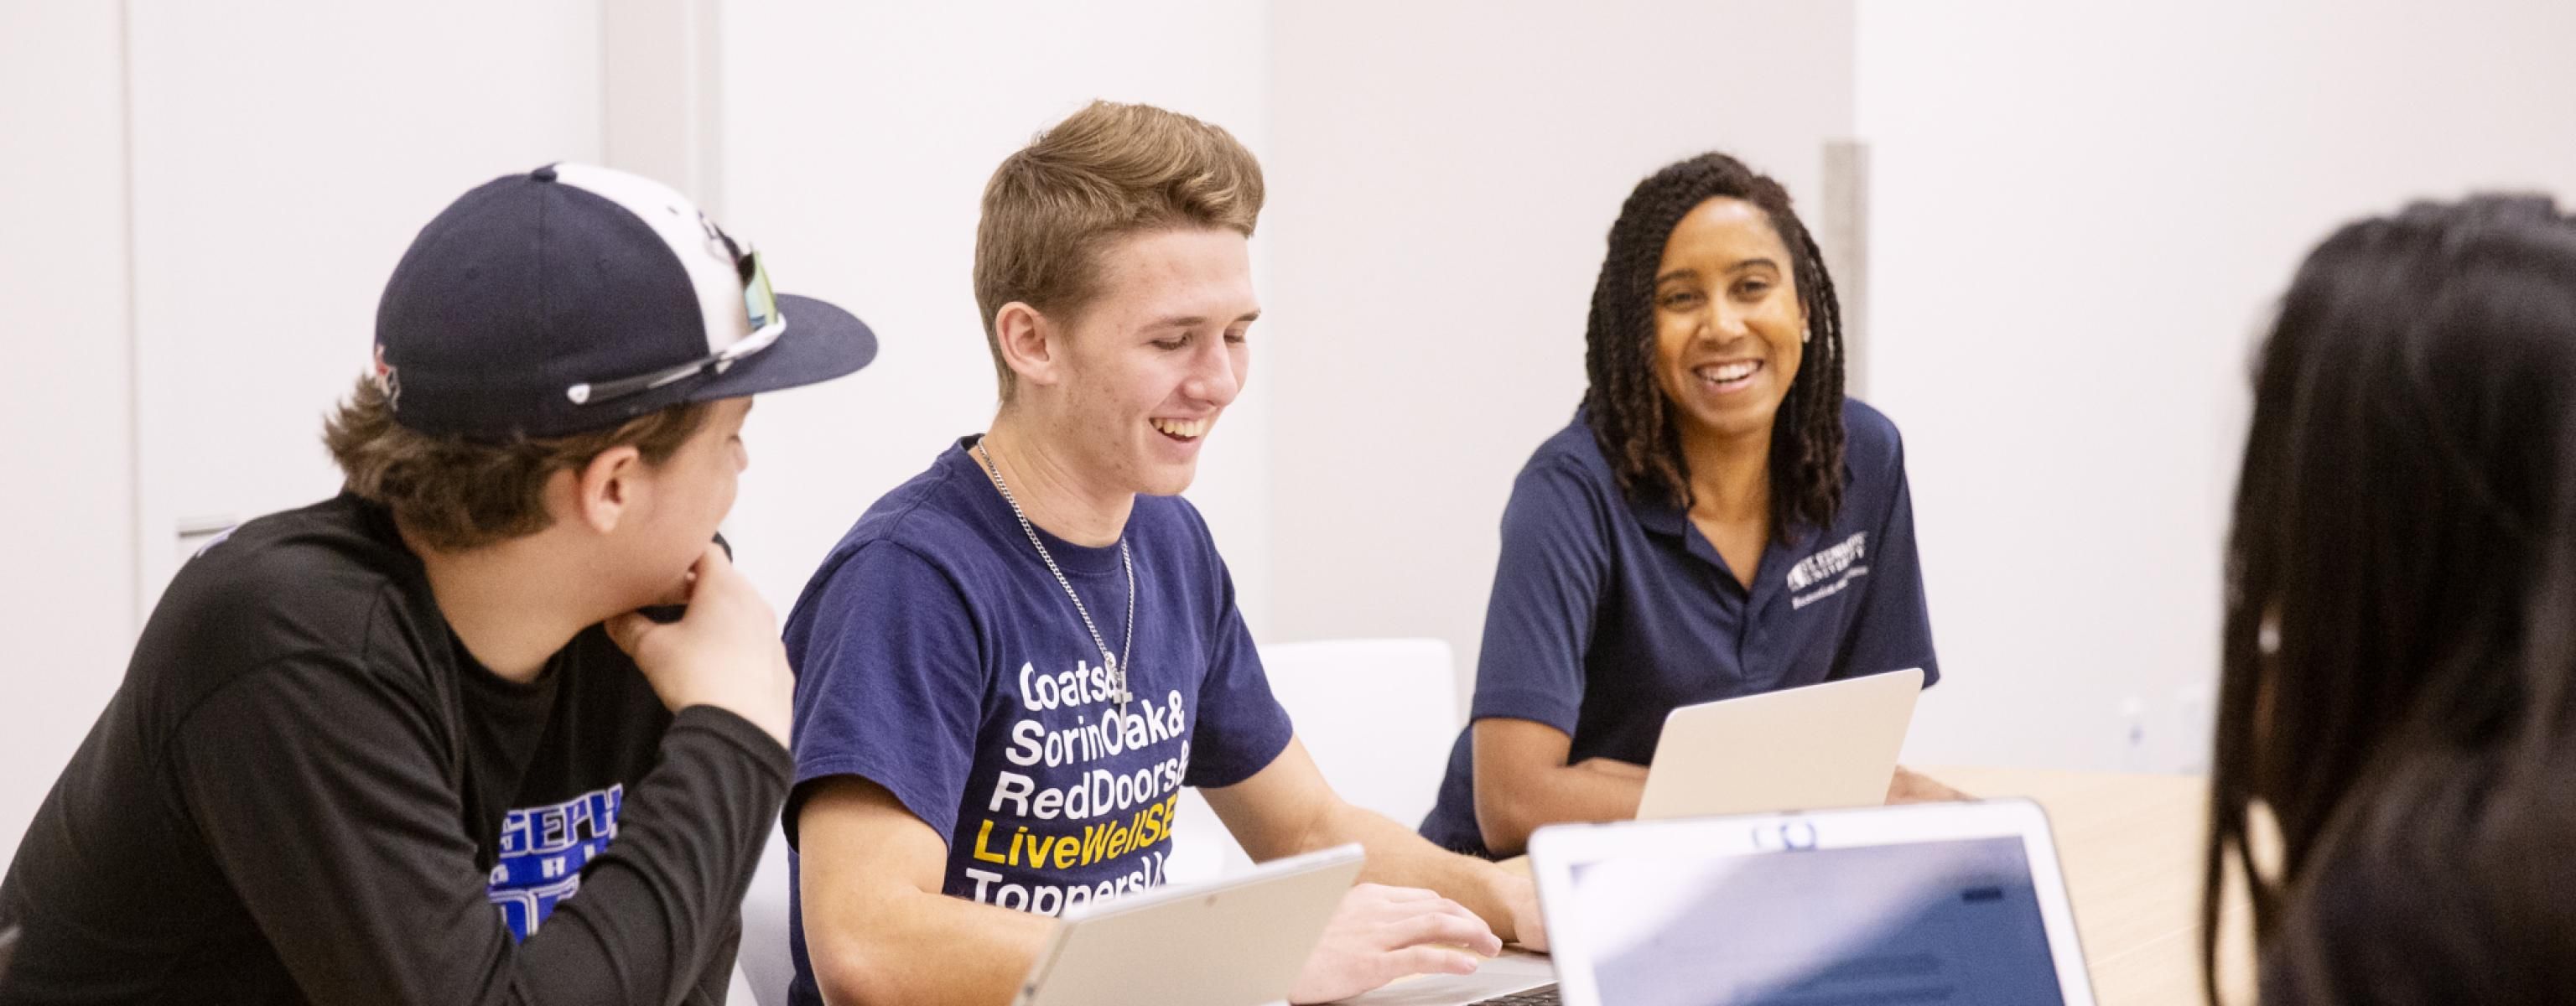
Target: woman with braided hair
[1717,521]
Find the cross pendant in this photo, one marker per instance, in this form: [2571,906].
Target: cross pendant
[1117,677]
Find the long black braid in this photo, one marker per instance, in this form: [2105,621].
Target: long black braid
[1626,407]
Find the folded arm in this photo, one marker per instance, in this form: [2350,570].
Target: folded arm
[343,844]
[1523,783]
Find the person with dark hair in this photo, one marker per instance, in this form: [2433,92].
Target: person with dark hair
[1717,521]
[2398,667]
[1012,664]
[421,743]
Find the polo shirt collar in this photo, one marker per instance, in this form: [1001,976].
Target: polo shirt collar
[1661,517]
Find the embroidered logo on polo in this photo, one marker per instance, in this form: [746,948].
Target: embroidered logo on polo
[1840,564]
[542,852]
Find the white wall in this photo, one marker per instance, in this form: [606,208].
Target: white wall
[1445,176]
[280,156]
[660,112]
[66,431]
[285,152]
[856,143]
[284,155]
[2081,213]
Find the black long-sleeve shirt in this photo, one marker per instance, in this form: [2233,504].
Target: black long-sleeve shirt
[307,790]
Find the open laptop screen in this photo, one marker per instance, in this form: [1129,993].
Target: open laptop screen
[1945,921]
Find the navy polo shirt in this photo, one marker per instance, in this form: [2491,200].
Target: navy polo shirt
[1609,612]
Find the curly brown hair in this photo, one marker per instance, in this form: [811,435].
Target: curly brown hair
[456,494]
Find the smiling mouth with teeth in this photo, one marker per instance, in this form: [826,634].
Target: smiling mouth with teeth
[1181,429]
[1724,374]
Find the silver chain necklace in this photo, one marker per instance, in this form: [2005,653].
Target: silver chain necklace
[1117,662]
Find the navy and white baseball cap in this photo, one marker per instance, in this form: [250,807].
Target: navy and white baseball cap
[574,298]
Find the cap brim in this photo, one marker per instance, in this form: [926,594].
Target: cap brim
[821,342]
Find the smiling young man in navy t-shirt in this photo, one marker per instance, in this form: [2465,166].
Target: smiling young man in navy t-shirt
[1012,664]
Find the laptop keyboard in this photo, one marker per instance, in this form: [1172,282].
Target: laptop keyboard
[1545,996]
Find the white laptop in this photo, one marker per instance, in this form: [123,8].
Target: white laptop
[1515,977]
[1811,748]
[1234,942]
[1946,902]
[1819,746]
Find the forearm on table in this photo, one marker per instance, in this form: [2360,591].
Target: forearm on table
[915,947]
[878,927]
[1398,857]
[1509,809]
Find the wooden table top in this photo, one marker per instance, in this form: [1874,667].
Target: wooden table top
[2132,848]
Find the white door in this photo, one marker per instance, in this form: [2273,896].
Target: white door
[284,154]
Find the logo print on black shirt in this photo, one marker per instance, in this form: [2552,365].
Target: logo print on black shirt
[542,852]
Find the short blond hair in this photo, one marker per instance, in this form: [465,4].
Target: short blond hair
[1105,172]
[458,494]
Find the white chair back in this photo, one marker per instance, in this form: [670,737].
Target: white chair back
[1378,715]
[763,962]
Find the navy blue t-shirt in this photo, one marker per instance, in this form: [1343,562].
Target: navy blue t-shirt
[937,657]
[1609,612]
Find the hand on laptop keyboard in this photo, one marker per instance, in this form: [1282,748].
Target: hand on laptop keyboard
[1381,933]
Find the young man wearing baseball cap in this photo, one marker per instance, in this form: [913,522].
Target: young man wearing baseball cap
[416,743]
[1011,665]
